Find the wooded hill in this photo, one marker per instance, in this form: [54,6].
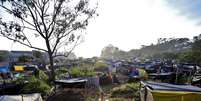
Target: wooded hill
[163,46]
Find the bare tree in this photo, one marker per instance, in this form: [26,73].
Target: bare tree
[55,23]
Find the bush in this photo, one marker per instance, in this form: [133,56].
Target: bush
[128,90]
[79,72]
[75,72]
[100,65]
[143,73]
[35,85]
[42,76]
[183,78]
[61,72]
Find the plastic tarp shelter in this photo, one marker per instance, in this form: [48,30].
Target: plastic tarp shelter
[4,69]
[24,97]
[72,83]
[19,68]
[152,91]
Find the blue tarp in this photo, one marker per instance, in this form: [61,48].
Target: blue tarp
[4,69]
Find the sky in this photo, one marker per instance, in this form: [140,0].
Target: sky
[128,24]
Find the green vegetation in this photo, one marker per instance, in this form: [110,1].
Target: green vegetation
[128,90]
[75,72]
[186,57]
[81,72]
[84,69]
[194,54]
[61,72]
[122,92]
[164,45]
[34,84]
[42,76]
[100,66]
[180,49]
[25,58]
[3,56]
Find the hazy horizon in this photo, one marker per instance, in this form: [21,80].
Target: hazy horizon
[128,24]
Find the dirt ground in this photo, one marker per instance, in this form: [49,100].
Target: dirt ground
[68,95]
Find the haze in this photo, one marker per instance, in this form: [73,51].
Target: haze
[128,24]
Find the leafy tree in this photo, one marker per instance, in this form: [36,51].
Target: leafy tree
[25,58]
[57,23]
[186,57]
[193,55]
[39,57]
[169,56]
[3,56]
[37,54]
[197,43]
[196,49]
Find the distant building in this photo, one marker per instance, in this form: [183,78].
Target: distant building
[13,56]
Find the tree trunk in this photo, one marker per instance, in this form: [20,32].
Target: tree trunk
[52,72]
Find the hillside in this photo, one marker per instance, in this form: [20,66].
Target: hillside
[164,45]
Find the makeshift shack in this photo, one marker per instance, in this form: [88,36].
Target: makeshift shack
[4,67]
[72,83]
[137,74]
[152,91]
[19,68]
[24,97]
[161,76]
[24,70]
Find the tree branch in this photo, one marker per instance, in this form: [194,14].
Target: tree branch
[10,11]
[76,44]
[37,26]
[30,46]
[59,38]
[55,14]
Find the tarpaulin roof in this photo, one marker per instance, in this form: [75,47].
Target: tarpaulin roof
[154,91]
[4,69]
[171,87]
[161,74]
[24,97]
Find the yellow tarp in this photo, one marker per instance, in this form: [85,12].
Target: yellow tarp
[19,68]
[175,96]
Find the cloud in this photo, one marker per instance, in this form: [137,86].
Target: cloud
[190,9]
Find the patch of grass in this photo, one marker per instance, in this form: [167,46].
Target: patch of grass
[128,90]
